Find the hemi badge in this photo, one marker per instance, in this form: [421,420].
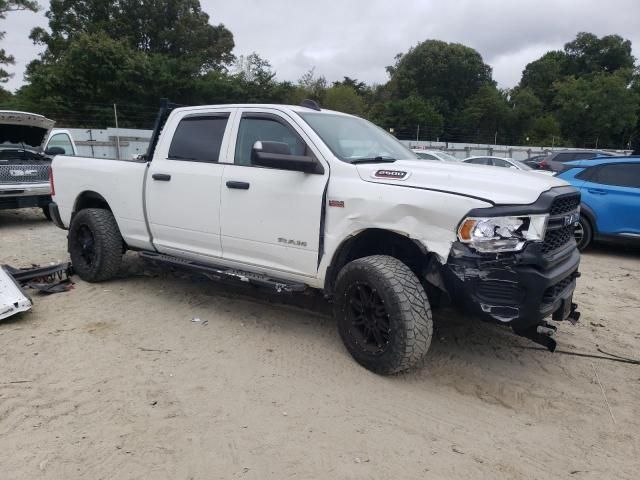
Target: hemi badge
[391,174]
[336,203]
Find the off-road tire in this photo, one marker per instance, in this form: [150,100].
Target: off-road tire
[107,249]
[587,233]
[410,326]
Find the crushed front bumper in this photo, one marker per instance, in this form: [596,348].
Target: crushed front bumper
[519,290]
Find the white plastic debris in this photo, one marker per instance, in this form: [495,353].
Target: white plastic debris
[12,300]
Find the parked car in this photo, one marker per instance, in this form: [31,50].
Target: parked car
[503,162]
[610,205]
[24,163]
[555,160]
[535,161]
[437,155]
[295,197]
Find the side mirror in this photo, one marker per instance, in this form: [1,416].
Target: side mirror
[278,155]
[52,151]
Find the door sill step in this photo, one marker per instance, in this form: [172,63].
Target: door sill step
[223,273]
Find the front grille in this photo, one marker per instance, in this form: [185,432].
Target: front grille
[557,238]
[551,293]
[14,174]
[565,204]
[499,291]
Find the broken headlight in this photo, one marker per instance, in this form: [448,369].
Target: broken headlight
[502,234]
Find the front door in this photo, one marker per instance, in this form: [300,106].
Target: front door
[270,217]
[183,185]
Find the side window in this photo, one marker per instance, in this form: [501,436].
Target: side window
[587,173]
[620,175]
[564,157]
[500,163]
[198,138]
[481,161]
[61,140]
[264,128]
[425,156]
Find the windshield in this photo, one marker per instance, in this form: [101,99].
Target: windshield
[448,157]
[522,165]
[352,138]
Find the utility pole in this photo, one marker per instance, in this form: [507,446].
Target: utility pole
[597,139]
[495,139]
[553,141]
[418,134]
[115,114]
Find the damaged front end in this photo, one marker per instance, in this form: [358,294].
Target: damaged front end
[522,288]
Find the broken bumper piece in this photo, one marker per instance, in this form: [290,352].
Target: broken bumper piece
[12,299]
[519,290]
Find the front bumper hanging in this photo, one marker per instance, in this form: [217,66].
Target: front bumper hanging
[519,290]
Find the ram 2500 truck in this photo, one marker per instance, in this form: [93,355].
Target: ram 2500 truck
[295,197]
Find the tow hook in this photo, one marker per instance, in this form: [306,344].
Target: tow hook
[540,334]
[574,315]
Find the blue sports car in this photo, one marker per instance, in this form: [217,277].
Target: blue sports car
[610,188]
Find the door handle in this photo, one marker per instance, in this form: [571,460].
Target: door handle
[238,185]
[162,177]
[597,191]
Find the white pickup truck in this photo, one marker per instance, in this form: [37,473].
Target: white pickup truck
[295,197]
[24,162]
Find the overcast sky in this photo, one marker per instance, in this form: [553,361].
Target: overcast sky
[358,38]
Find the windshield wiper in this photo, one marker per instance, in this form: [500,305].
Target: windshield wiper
[373,160]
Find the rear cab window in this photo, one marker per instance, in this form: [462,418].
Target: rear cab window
[198,138]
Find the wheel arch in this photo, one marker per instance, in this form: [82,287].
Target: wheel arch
[90,199]
[590,215]
[376,241]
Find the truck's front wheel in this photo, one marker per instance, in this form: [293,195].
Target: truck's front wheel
[95,244]
[383,314]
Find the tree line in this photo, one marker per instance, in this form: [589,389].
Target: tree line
[131,53]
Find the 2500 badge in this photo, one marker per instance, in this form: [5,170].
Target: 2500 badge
[395,174]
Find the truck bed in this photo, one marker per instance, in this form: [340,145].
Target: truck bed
[119,182]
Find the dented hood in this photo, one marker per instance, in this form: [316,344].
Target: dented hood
[501,186]
[25,128]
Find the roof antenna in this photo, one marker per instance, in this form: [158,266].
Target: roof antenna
[312,104]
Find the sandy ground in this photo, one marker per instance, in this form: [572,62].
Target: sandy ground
[116,381]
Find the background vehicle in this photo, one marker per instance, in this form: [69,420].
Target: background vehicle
[24,167]
[503,162]
[610,208]
[297,197]
[437,155]
[535,161]
[555,160]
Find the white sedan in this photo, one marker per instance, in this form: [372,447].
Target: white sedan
[437,155]
[505,163]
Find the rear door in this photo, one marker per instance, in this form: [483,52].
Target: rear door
[271,218]
[183,184]
[613,192]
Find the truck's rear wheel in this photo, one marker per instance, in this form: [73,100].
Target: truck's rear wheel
[95,244]
[383,314]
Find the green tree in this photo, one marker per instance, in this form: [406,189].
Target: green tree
[344,99]
[94,72]
[589,54]
[446,74]
[7,6]
[485,115]
[540,75]
[175,28]
[408,117]
[598,109]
